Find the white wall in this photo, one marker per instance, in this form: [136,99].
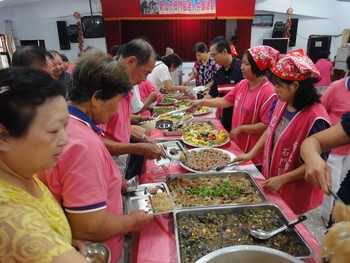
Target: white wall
[316,17]
[38,21]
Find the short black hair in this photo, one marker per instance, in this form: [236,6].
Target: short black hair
[64,57]
[221,44]
[348,63]
[172,60]
[28,56]
[22,90]
[306,95]
[200,47]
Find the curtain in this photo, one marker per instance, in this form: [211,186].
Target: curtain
[244,29]
[112,30]
[180,35]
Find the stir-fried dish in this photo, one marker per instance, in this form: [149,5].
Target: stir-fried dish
[200,234]
[212,190]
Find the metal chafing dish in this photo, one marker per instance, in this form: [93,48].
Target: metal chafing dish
[239,174]
[200,231]
[251,254]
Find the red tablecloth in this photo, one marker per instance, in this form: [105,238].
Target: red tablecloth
[156,244]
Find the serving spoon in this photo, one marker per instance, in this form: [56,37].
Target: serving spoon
[221,167]
[262,234]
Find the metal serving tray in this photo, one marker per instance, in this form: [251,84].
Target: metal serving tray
[239,174]
[167,146]
[141,196]
[230,234]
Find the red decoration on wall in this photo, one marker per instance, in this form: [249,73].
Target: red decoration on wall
[80,31]
[288,28]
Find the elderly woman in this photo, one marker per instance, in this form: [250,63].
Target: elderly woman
[86,181]
[251,98]
[33,116]
[295,116]
[206,67]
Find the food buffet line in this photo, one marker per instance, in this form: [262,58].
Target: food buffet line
[201,205]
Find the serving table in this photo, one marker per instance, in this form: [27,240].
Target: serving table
[157,244]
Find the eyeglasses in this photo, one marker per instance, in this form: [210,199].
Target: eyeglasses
[213,55]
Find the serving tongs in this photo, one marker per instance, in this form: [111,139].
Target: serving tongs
[218,168]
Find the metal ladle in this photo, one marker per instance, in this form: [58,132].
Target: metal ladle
[262,234]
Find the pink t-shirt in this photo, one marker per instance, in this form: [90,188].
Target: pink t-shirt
[325,68]
[250,107]
[119,126]
[86,179]
[336,100]
[145,88]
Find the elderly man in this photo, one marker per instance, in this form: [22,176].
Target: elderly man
[59,72]
[33,57]
[139,58]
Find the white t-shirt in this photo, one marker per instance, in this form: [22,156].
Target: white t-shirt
[159,74]
[136,103]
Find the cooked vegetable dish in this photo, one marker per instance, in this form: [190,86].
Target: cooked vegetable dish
[162,110]
[205,138]
[213,190]
[200,234]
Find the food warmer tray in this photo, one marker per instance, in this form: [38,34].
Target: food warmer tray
[240,174]
[139,198]
[189,243]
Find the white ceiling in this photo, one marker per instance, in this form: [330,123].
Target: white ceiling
[4,3]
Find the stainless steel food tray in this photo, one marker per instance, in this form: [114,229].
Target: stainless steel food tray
[238,234]
[241,174]
[140,197]
[166,146]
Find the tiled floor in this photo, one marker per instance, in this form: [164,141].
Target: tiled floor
[315,224]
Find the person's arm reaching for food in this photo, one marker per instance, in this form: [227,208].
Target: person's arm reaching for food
[101,225]
[212,103]
[169,87]
[248,128]
[317,170]
[259,146]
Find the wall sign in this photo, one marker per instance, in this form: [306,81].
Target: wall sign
[173,7]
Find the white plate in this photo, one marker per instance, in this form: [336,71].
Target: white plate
[199,114]
[232,156]
[203,146]
[199,89]
[173,101]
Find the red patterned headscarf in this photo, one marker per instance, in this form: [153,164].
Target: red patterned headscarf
[264,56]
[295,65]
